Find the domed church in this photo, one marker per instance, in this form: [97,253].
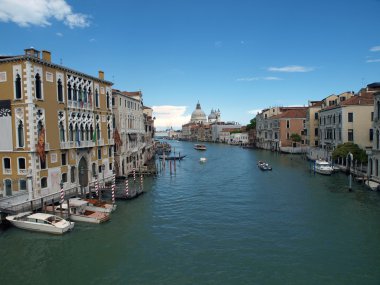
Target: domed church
[198,116]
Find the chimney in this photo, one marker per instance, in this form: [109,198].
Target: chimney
[101,74]
[46,55]
[32,52]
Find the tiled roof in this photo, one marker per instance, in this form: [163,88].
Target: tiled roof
[364,99]
[300,112]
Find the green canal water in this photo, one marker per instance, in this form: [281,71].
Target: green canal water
[222,222]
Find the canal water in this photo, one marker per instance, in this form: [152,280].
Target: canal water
[221,222]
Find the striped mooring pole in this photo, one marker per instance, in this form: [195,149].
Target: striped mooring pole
[141,182]
[96,187]
[126,187]
[134,175]
[113,187]
[62,194]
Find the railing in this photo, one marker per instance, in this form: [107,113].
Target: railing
[79,105]
[7,171]
[101,142]
[22,172]
[66,145]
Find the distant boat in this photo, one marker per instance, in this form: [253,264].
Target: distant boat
[323,167]
[264,165]
[180,157]
[40,222]
[200,147]
[202,159]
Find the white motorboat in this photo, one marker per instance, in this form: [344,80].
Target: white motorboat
[200,147]
[323,167]
[202,159]
[40,222]
[100,206]
[264,165]
[79,212]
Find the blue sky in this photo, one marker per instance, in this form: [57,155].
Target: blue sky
[236,55]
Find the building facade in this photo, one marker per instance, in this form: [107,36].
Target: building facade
[57,126]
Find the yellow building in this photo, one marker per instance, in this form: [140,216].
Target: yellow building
[56,125]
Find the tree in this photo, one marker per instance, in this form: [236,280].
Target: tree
[252,124]
[295,138]
[342,150]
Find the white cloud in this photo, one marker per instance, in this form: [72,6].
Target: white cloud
[291,68]
[254,111]
[373,60]
[258,78]
[376,48]
[170,116]
[39,12]
[59,34]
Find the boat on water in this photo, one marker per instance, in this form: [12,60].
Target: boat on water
[100,206]
[80,211]
[180,157]
[323,167]
[40,222]
[200,147]
[264,165]
[202,159]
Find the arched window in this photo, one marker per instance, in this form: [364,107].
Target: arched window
[75,93]
[85,94]
[61,132]
[40,126]
[69,92]
[93,137]
[80,94]
[98,131]
[71,133]
[109,132]
[38,86]
[59,90]
[96,98]
[72,174]
[20,134]
[21,163]
[87,133]
[81,133]
[377,139]
[18,86]
[108,100]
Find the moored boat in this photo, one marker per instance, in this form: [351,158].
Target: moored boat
[264,165]
[100,206]
[40,222]
[323,167]
[180,157]
[200,147]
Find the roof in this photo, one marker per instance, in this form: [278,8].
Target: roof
[365,99]
[4,59]
[39,216]
[374,85]
[293,114]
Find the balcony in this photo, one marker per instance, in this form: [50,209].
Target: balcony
[79,105]
[101,142]
[22,172]
[82,144]
[7,171]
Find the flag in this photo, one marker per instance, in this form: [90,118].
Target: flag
[41,145]
[117,139]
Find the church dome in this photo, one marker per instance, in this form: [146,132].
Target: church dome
[198,116]
[212,115]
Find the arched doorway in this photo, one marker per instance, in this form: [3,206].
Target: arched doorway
[83,172]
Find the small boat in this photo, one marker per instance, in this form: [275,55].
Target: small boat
[202,159]
[264,165]
[200,147]
[78,210]
[323,167]
[180,157]
[40,222]
[100,206]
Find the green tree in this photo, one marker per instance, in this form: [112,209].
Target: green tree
[252,124]
[342,150]
[295,138]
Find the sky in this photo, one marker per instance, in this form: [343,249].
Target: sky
[238,56]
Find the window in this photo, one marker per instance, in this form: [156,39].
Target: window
[316,116]
[21,163]
[108,100]
[93,170]
[287,136]
[371,134]
[72,174]
[96,98]
[287,124]
[350,135]
[110,151]
[99,153]
[99,169]
[8,187]
[63,159]
[43,182]
[69,92]
[22,185]
[20,134]
[61,132]
[7,165]
[18,86]
[59,90]
[64,177]
[377,139]
[113,101]
[316,131]
[38,86]
[316,143]
[350,117]
[98,131]
[110,166]
[43,163]
[371,116]
[109,132]
[75,92]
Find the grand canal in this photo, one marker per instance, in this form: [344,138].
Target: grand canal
[222,222]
